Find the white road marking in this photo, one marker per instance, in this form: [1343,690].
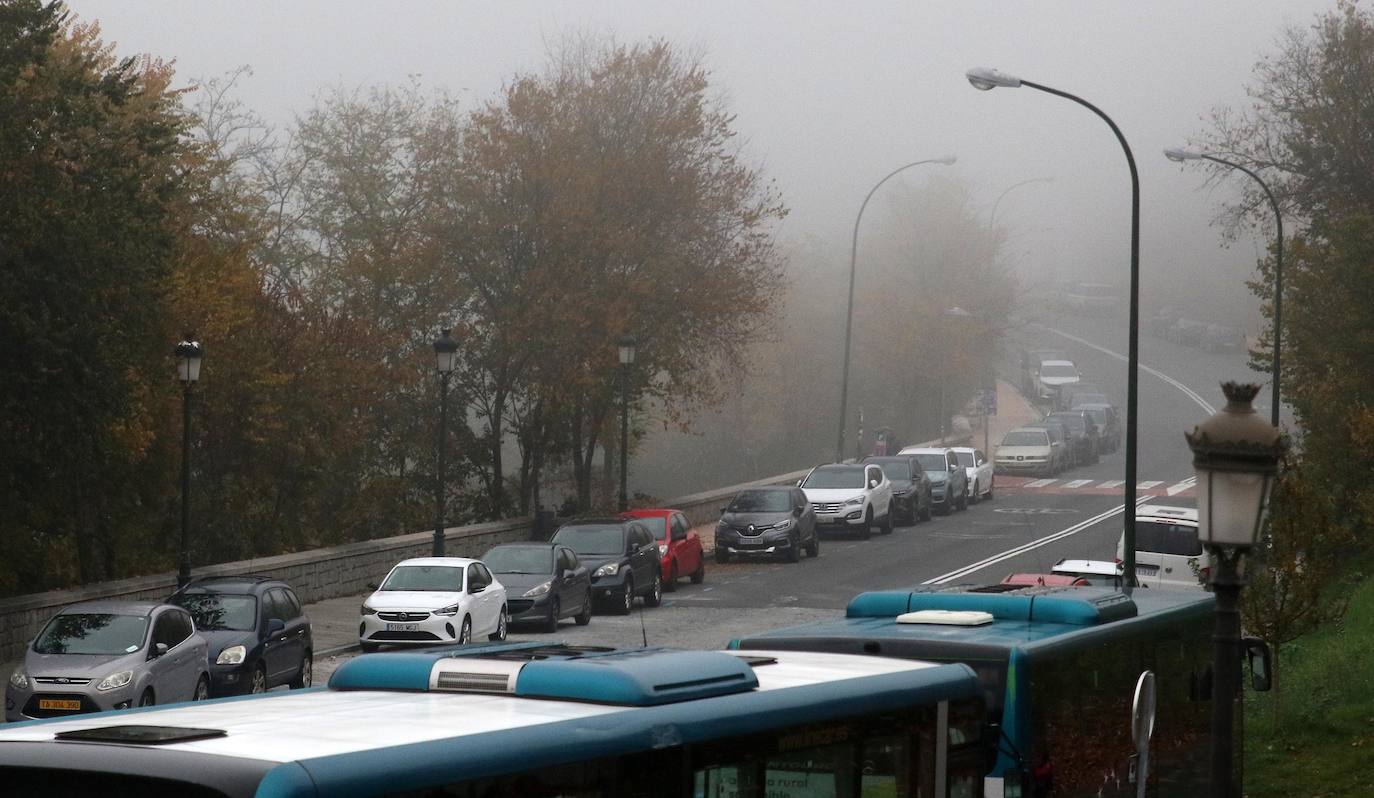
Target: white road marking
[1153,483]
[1189,392]
[1112,483]
[1078,483]
[1187,484]
[1040,483]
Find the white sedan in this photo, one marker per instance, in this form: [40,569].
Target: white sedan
[979,470]
[434,600]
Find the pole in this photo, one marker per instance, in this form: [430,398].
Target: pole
[1133,346]
[1225,669]
[624,434]
[438,547]
[184,567]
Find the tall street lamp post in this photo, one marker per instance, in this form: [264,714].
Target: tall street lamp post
[445,355]
[1236,456]
[1179,156]
[992,217]
[985,79]
[849,311]
[626,345]
[188,354]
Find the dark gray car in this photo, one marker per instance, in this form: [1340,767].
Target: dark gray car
[768,520]
[622,556]
[545,582]
[103,655]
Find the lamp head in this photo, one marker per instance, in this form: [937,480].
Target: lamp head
[188,354]
[445,351]
[626,344]
[987,79]
[1179,155]
[948,160]
[1236,455]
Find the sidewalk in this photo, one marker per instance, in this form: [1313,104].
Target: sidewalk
[1012,411]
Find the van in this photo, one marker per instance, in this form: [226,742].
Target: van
[1168,552]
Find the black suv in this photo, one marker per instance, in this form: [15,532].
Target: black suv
[258,635]
[623,557]
[910,486]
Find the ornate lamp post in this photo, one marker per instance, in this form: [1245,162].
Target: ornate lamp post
[188,354]
[985,79]
[626,344]
[1236,456]
[445,355]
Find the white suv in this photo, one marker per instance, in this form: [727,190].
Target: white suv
[1167,550]
[850,497]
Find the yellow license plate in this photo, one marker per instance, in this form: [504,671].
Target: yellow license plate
[59,703]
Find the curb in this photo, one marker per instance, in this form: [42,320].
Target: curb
[335,650]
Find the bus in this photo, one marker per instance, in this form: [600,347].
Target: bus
[537,720]
[1059,666]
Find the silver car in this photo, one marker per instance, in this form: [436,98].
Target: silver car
[102,655]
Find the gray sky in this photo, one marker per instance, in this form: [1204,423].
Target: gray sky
[829,95]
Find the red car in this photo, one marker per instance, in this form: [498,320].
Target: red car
[1045,580]
[679,552]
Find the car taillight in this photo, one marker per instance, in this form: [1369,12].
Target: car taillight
[1119,561]
[1206,574]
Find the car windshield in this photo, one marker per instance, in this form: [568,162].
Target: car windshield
[92,633]
[1167,539]
[848,477]
[1099,415]
[590,540]
[434,578]
[896,470]
[657,524]
[1057,370]
[965,459]
[1072,421]
[1090,399]
[219,611]
[1026,437]
[932,462]
[761,501]
[520,560]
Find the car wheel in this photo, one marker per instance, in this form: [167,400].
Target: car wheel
[814,549]
[306,675]
[258,681]
[793,549]
[926,512]
[202,689]
[655,595]
[627,597]
[699,575]
[671,585]
[465,633]
[867,528]
[973,497]
[551,623]
[886,528]
[501,621]
[990,487]
[585,616]
[722,556]
[963,500]
[147,699]
[368,648]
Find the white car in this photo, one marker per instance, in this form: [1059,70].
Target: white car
[1101,573]
[1053,375]
[850,497]
[979,470]
[1025,450]
[434,600]
[1167,550]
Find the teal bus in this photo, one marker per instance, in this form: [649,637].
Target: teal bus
[1059,667]
[537,721]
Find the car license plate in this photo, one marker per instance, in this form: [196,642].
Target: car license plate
[747,543]
[1146,569]
[66,704]
[403,627]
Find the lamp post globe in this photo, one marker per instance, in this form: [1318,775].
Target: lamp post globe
[188,354]
[625,345]
[445,351]
[445,357]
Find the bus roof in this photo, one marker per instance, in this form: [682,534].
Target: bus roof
[375,725]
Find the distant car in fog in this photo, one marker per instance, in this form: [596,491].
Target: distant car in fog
[910,486]
[1186,332]
[1083,437]
[1092,299]
[979,470]
[1025,450]
[948,480]
[1053,376]
[1108,425]
[1219,338]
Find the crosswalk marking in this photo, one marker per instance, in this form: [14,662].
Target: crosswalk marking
[1187,484]
[1113,483]
[1107,487]
[1078,483]
[1154,483]
[1041,483]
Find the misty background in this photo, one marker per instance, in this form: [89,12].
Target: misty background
[829,97]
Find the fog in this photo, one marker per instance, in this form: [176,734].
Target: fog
[830,96]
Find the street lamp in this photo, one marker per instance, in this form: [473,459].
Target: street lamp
[626,345]
[188,354]
[849,311]
[986,79]
[445,356]
[1236,457]
[992,217]
[1179,156]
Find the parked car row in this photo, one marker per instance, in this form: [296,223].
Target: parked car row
[1081,426]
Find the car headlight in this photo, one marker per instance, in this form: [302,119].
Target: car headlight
[939,480]
[855,500]
[663,549]
[19,680]
[115,680]
[232,655]
[451,609]
[609,569]
[366,610]
[783,524]
[539,590]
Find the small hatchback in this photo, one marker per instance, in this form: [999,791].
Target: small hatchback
[545,583]
[103,655]
[258,635]
[434,600]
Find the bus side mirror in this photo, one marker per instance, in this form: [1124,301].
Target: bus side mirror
[1257,652]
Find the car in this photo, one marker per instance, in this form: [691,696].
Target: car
[1062,454]
[849,497]
[1220,338]
[776,519]
[948,480]
[1092,299]
[1083,438]
[979,472]
[1030,366]
[1168,552]
[1025,450]
[622,556]
[428,600]
[257,634]
[1070,393]
[1078,399]
[679,548]
[545,583]
[1108,422]
[1102,573]
[1044,580]
[910,486]
[1052,376]
[1186,332]
[103,655]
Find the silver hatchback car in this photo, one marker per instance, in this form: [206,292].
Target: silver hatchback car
[102,655]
